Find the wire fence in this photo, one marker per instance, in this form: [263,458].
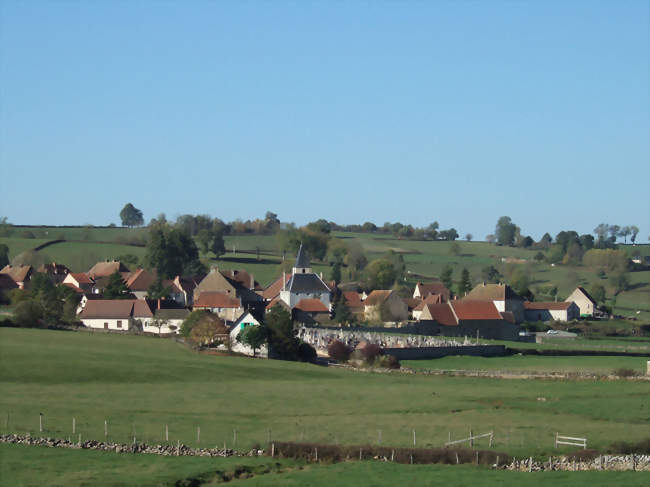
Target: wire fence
[240,435]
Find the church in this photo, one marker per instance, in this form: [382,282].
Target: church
[304,284]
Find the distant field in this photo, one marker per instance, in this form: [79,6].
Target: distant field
[531,363]
[26,466]
[81,256]
[17,245]
[145,383]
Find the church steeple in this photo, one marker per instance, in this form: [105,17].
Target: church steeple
[302,265]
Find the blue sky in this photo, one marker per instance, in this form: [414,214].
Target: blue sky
[458,112]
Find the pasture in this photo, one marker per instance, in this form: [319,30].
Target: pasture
[26,466]
[140,384]
[533,363]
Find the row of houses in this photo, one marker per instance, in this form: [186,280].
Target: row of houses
[491,310]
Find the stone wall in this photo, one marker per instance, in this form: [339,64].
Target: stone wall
[321,337]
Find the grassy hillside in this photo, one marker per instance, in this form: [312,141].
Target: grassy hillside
[26,466]
[145,383]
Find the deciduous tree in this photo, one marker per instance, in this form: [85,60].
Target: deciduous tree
[253,336]
[131,216]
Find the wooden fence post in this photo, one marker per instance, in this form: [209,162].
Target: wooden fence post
[491,437]
[272,450]
[40,422]
[73,426]
[316,453]
[105,428]
[234,436]
[413,437]
[360,453]
[166,433]
[198,434]
[471,439]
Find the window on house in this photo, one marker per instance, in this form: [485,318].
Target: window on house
[304,270]
[119,323]
[105,326]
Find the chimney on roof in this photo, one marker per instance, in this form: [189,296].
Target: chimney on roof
[321,275]
[158,303]
[284,281]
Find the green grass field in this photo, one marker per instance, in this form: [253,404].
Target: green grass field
[146,383]
[23,466]
[532,363]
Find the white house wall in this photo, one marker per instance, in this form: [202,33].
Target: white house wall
[99,323]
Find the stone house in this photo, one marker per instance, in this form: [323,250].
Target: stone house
[395,305]
[584,301]
[422,290]
[228,308]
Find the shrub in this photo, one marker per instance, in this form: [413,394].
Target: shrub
[387,362]
[28,234]
[306,353]
[625,372]
[339,351]
[370,352]
[625,448]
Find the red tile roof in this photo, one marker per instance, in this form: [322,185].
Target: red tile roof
[442,313]
[378,296]
[353,299]
[81,277]
[140,280]
[476,310]
[105,269]
[311,305]
[108,308]
[73,287]
[274,288]
[216,300]
[560,305]
[19,273]
[433,288]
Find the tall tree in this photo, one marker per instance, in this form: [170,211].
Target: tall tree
[116,287]
[172,252]
[505,231]
[4,255]
[465,284]
[445,277]
[635,231]
[281,336]
[131,216]
[613,232]
[380,274]
[469,237]
[601,231]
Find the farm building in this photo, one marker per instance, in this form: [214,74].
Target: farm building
[114,314]
[469,318]
[390,300]
[551,311]
[583,300]
[20,274]
[503,297]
